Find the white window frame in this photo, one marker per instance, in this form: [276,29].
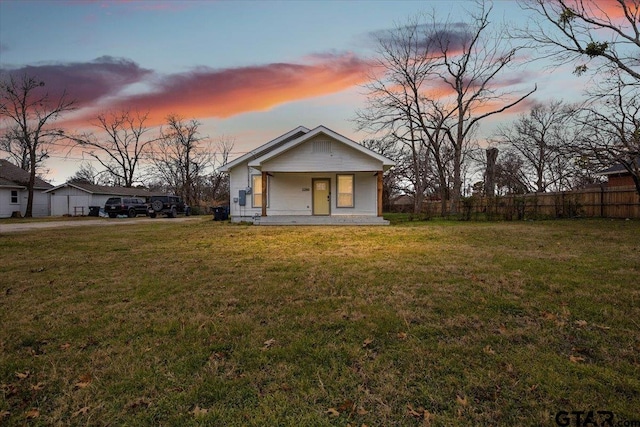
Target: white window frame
[258,191]
[353,191]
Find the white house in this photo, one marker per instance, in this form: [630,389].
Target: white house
[14,194]
[75,198]
[308,176]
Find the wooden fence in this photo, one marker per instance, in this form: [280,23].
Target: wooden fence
[615,202]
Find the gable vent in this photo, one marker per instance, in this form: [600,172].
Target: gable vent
[322,146]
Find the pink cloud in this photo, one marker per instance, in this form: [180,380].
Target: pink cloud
[86,82]
[201,93]
[223,93]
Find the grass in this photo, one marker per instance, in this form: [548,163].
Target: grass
[419,323]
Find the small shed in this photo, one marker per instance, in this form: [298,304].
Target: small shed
[74,198]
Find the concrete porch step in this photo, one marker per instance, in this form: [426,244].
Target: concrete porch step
[319,220]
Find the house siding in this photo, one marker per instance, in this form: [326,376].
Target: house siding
[239,179]
[40,206]
[302,158]
[291,168]
[6,207]
[74,201]
[291,193]
[620,180]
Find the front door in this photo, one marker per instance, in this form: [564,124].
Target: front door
[321,196]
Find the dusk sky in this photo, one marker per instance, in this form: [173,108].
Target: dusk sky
[248,70]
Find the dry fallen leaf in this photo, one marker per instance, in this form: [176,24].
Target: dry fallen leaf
[581,323]
[362,411]
[33,413]
[366,342]
[333,412]
[84,381]
[268,343]
[413,412]
[402,335]
[347,405]
[199,412]
[576,359]
[427,418]
[23,375]
[82,411]
[462,400]
[65,346]
[37,387]
[489,350]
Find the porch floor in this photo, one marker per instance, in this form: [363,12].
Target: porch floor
[319,220]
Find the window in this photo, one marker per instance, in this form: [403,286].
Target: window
[256,191]
[14,197]
[345,191]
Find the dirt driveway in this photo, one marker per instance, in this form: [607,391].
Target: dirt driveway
[27,226]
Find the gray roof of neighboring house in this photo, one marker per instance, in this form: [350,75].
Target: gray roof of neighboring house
[106,190]
[618,168]
[13,176]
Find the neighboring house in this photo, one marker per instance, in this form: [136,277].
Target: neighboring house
[14,193]
[305,177]
[618,176]
[75,198]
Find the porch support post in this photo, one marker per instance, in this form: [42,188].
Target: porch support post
[380,173]
[264,193]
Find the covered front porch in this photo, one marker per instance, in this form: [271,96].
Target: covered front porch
[319,194]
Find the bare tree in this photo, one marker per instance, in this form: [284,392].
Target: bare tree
[582,31]
[89,174]
[611,124]
[29,112]
[179,158]
[392,179]
[542,139]
[462,60]
[605,35]
[510,176]
[218,182]
[398,108]
[471,71]
[18,153]
[120,146]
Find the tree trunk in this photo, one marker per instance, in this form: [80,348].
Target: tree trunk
[490,174]
[32,183]
[457,178]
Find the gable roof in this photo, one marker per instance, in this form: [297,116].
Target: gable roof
[13,176]
[274,143]
[619,168]
[387,163]
[103,189]
[296,137]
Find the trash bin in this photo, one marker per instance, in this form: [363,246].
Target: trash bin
[94,210]
[221,213]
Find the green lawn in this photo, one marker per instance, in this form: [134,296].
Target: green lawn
[419,323]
